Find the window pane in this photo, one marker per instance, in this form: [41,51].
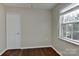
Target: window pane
[76,27]
[76,31]
[69,31]
[77,17]
[69,27]
[69,35]
[76,35]
[64,30]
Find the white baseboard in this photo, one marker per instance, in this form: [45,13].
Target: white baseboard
[3,51]
[35,47]
[43,47]
[56,50]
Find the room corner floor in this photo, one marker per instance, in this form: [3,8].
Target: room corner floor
[31,52]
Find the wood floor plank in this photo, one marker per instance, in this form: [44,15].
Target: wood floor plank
[31,52]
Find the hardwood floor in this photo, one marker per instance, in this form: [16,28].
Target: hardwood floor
[31,52]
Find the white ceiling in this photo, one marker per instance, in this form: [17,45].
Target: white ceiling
[46,6]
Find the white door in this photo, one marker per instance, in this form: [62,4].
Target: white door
[13,29]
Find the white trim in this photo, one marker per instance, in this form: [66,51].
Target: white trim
[13,48]
[3,51]
[56,50]
[35,47]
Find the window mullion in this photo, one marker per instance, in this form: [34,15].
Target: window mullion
[66,30]
[72,31]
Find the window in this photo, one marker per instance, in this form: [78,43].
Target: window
[69,26]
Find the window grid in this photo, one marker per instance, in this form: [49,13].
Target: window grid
[69,26]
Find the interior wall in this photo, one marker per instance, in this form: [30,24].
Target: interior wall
[64,47]
[35,26]
[2,29]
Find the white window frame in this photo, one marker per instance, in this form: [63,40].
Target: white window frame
[64,38]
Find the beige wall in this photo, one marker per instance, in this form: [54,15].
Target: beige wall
[35,26]
[65,48]
[2,29]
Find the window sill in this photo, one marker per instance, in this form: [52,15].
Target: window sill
[69,40]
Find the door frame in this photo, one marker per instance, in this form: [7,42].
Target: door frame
[6,31]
